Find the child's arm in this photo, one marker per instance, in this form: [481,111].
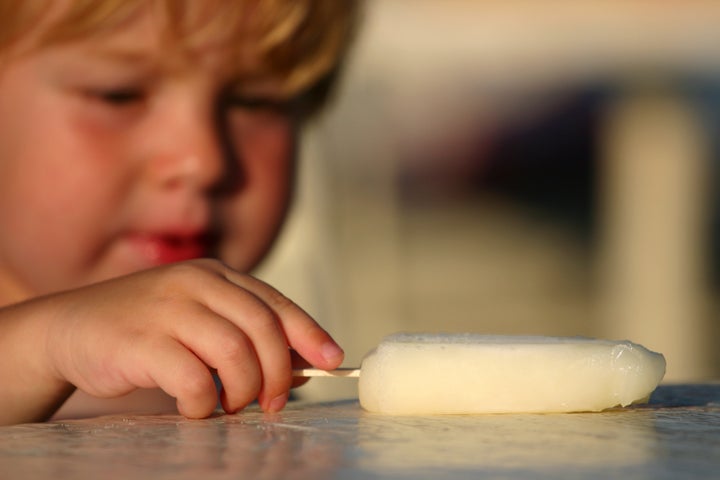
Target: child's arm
[164,328]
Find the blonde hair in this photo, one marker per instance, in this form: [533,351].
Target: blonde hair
[301,41]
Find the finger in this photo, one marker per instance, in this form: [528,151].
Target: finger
[227,349]
[251,314]
[303,333]
[182,375]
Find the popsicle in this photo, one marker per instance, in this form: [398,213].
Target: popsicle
[419,374]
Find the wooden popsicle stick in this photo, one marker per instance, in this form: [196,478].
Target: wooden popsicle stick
[316,372]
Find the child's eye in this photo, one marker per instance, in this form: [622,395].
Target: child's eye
[117,97]
[260,104]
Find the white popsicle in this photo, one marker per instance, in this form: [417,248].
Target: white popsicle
[417,374]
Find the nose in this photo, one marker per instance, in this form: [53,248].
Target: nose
[188,151]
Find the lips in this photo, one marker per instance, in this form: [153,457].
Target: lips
[160,249]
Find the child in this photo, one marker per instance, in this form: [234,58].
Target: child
[146,161]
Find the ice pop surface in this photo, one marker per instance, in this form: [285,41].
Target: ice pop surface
[420,374]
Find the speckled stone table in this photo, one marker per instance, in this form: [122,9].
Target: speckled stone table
[677,435]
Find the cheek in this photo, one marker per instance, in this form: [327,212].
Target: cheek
[54,227]
[44,166]
[58,166]
[258,208]
[269,166]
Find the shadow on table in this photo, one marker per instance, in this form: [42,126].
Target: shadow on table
[686,395]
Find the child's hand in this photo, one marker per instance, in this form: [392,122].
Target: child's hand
[168,327]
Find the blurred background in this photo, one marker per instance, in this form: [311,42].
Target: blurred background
[516,167]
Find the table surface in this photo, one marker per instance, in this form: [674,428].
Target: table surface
[676,435]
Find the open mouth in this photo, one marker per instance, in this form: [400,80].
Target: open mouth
[162,249]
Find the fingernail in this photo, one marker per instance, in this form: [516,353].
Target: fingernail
[277,403]
[331,351]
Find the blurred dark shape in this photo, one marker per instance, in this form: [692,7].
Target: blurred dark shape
[549,166]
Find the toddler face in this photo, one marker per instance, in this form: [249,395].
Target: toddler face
[118,154]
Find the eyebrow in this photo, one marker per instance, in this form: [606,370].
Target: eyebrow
[120,55]
[246,82]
